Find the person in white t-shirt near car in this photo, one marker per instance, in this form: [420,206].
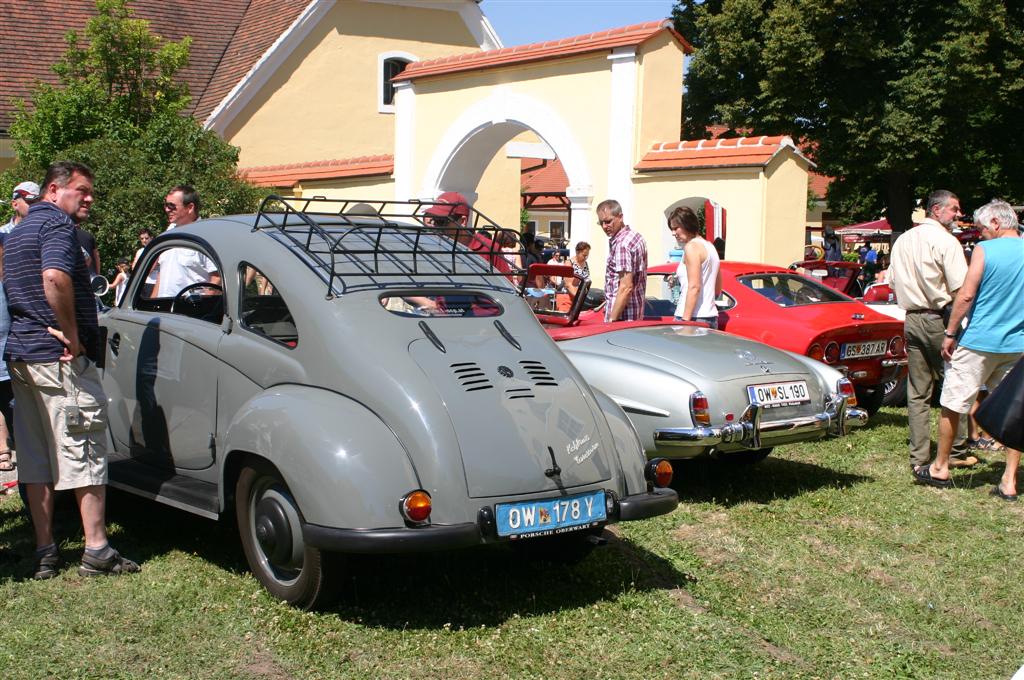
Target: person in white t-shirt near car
[182,267]
[698,270]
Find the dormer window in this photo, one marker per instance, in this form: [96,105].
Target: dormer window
[390,64]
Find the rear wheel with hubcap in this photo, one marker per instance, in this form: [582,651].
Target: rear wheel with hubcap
[270,525]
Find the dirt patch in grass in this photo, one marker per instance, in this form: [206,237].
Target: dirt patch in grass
[260,665]
[711,539]
[684,600]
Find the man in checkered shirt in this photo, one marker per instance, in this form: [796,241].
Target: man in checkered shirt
[625,279]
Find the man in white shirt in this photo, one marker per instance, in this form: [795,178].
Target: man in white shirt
[181,267]
[926,269]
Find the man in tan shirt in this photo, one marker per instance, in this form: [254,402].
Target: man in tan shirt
[926,269]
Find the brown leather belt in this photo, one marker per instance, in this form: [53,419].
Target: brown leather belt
[933,312]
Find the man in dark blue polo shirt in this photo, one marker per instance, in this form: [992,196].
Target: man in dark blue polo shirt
[60,421]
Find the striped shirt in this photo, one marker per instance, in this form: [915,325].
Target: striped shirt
[45,239]
[627,252]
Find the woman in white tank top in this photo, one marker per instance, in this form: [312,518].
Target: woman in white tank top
[698,271]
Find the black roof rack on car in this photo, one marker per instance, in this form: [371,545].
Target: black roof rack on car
[391,243]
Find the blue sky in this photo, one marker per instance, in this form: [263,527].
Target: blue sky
[518,22]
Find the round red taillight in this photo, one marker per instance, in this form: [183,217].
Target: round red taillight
[896,346]
[659,472]
[416,506]
[815,352]
[663,474]
[831,353]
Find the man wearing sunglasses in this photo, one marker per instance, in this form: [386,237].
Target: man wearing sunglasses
[178,268]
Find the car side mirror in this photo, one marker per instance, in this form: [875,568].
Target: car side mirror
[99,285]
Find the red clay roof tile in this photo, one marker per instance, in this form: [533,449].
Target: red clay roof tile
[228,37]
[581,44]
[291,174]
[539,176]
[818,184]
[714,153]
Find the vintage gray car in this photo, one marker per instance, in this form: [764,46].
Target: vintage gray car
[692,391]
[358,384]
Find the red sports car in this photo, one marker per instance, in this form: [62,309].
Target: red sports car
[781,308]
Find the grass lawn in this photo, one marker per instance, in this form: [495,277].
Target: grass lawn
[824,561]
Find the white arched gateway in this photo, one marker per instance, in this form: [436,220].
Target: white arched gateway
[477,135]
[608,106]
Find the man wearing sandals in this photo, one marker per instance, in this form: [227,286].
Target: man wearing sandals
[60,421]
[992,342]
[927,267]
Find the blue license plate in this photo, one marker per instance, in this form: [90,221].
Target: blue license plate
[554,516]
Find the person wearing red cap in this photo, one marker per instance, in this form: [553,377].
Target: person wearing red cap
[450,213]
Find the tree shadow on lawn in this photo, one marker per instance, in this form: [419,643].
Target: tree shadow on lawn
[728,484]
[489,585]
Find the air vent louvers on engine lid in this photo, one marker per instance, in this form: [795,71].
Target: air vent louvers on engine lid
[470,376]
[538,373]
[519,393]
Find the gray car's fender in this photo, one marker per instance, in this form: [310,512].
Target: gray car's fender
[337,457]
[627,444]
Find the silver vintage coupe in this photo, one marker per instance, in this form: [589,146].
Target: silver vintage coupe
[691,391]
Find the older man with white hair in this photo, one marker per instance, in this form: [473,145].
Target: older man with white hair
[993,341]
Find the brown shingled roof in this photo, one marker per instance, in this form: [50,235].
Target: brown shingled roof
[581,44]
[228,37]
[714,153]
[293,173]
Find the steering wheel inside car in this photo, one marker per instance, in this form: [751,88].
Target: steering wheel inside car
[197,305]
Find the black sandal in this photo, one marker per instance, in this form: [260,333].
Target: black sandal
[7,463]
[48,566]
[923,475]
[114,565]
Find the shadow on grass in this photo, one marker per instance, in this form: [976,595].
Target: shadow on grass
[887,417]
[728,484]
[489,585]
[140,529]
[475,587]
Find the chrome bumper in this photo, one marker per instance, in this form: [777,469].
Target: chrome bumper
[751,432]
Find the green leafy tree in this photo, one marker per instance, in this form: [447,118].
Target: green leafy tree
[118,108]
[892,98]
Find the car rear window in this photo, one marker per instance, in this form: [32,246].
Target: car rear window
[441,305]
[791,290]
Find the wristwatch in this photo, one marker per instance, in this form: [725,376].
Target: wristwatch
[949,335]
